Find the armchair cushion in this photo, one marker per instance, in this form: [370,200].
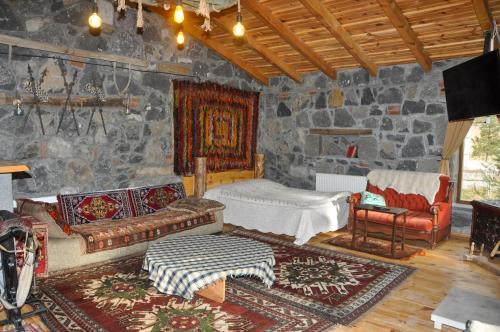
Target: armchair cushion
[417,220]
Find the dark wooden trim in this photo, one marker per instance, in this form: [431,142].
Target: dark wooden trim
[340,131]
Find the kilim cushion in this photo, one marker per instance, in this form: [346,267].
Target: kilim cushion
[77,209]
[196,205]
[150,199]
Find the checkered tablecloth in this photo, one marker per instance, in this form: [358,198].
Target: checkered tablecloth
[183,265]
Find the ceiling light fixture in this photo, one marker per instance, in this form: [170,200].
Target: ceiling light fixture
[239,28]
[95,20]
[179,12]
[180,38]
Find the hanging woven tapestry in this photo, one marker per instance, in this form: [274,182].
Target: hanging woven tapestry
[216,122]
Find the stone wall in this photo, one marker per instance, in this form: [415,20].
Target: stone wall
[404,107]
[138,148]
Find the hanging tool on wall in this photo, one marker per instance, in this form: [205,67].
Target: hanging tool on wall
[98,94]
[38,95]
[69,90]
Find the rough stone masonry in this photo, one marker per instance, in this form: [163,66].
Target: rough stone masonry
[138,148]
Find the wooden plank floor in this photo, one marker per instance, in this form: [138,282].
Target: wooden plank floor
[409,307]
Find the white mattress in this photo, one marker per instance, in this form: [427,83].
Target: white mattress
[267,206]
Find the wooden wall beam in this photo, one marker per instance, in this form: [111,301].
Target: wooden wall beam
[483,14]
[172,68]
[218,47]
[329,21]
[227,23]
[264,13]
[400,22]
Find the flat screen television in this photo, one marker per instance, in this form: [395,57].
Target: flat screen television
[473,87]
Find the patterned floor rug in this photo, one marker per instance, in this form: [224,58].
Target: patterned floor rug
[315,289]
[376,247]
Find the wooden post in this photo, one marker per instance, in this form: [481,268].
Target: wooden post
[200,176]
[259,166]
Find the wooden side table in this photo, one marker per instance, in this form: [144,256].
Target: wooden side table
[396,212]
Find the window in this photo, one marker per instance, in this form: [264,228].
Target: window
[479,176]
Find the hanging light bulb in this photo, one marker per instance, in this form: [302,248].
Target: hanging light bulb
[95,21]
[239,28]
[180,38]
[179,12]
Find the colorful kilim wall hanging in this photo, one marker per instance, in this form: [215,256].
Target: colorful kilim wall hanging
[216,122]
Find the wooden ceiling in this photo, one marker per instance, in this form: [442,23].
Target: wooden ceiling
[292,37]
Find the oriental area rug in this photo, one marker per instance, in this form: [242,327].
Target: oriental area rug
[315,290]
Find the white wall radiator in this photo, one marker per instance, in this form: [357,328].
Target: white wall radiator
[338,182]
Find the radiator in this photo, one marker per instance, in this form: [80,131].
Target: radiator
[338,182]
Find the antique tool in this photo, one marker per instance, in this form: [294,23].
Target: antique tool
[98,93]
[69,91]
[37,92]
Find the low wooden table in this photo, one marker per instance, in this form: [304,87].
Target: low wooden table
[200,264]
[396,212]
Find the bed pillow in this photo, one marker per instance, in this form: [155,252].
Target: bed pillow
[150,199]
[82,208]
[372,199]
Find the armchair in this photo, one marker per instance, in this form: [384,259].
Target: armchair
[425,221]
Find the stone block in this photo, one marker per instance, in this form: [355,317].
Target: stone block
[302,120]
[414,148]
[360,112]
[336,98]
[313,145]
[367,97]
[394,109]
[343,118]
[390,96]
[283,110]
[367,148]
[386,124]
[420,127]
[435,109]
[413,107]
[320,101]
[416,75]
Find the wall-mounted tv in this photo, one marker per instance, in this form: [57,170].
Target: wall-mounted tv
[473,87]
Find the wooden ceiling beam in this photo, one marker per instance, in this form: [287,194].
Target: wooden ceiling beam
[219,48]
[192,29]
[326,18]
[483,14]
[227,23]
[400,22]
[264,13]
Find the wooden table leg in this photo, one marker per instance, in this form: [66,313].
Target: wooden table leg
[404,232]
[355,221]
[215,292]
[393,235]
[366,222]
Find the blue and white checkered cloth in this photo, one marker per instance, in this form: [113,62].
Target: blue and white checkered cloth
[183,265]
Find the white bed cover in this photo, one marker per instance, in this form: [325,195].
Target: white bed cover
[268,206]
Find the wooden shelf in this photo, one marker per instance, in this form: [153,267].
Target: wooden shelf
[340,131]
[8,166]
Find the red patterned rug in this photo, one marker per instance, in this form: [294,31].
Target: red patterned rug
[315,289]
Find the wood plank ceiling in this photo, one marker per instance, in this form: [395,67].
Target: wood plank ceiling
[291,37]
